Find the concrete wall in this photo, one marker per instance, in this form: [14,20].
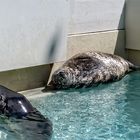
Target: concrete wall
[133,56]
[29,28]
[95,25]
[133,30]
[109,41]
[26,78]
[133,24]
[96,15]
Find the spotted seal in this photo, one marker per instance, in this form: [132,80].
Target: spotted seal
[89,69]
[19,110]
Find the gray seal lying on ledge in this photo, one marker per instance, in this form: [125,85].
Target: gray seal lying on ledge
[33,124]
[89,69]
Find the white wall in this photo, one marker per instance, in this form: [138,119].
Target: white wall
[27,30]
[97,15]
[133,24]
[28,27]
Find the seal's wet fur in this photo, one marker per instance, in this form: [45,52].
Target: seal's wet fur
[89,69]
[16,106]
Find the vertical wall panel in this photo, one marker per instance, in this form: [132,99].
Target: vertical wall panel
[133,24]
[97,15]
[27,30]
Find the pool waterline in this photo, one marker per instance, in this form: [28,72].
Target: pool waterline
[35,93]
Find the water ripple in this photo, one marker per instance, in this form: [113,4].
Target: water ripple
[106,112]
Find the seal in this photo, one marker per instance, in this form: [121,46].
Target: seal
[15,105]
[90,69]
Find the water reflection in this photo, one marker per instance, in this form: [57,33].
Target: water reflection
[133,97]
[109,111]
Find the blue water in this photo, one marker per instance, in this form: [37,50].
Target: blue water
[107,112]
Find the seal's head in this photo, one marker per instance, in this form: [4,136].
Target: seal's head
[62,78]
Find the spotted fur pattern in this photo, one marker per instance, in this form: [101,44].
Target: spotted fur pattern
[89,69]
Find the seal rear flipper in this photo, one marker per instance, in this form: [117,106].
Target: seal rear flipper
[133,67]
[136,67]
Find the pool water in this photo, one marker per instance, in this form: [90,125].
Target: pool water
[107,112]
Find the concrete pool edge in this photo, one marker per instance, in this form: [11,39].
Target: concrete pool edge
[35,93]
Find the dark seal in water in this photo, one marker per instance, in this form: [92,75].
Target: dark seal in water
[89,69]
[32,123]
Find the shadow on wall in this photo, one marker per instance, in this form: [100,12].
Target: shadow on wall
[54,44]
[53,48]
[121,38]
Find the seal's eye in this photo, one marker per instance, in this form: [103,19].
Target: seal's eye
[60,77]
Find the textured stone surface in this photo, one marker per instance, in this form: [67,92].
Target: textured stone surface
[133,56]
[27,78]
[110,42]
[132,24]
[28,29]
[96,15]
